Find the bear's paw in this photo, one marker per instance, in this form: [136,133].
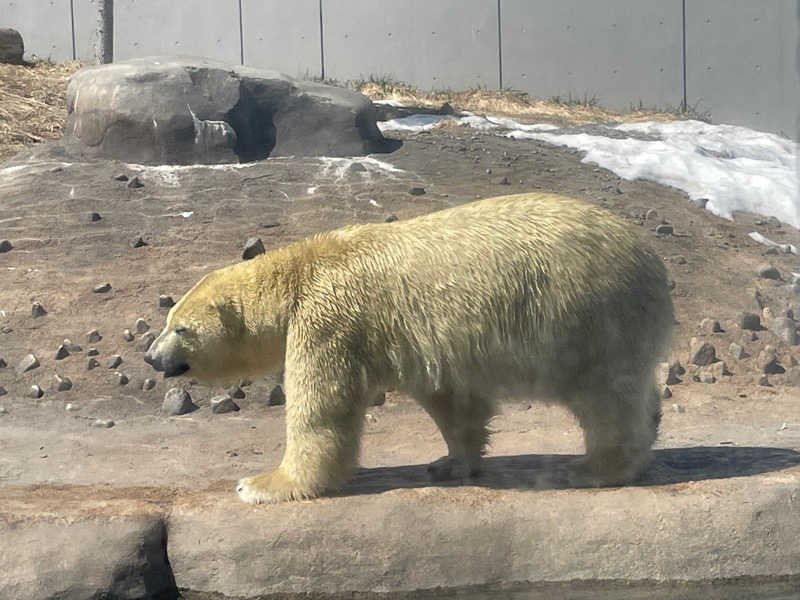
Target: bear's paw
[272,487]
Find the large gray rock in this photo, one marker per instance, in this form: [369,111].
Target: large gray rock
[11,46]
[172,110]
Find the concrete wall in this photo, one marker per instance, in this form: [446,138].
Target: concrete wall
[741,59]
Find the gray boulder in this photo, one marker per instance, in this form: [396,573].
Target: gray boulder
[11,46]
[169,110]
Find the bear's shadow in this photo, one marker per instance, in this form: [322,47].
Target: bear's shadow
[549,471]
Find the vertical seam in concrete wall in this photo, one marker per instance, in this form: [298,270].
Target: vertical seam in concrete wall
[683,30]
[241,35]
[72,26]
[321,45]
[499,46]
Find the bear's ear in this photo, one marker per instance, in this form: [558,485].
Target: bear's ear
[230,315]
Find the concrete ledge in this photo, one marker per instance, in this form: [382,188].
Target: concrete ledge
[388,533]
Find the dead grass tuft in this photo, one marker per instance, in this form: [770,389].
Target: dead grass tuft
[32,103]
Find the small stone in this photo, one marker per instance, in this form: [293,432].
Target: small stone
[148,384]
[92,352]
[664,229]
[666,393]
[370,418]
[236,392]
[121,177]
[94,217]
[391,218]
[710,326]
[767,271]
[488,171]
[718,369]
[705,376]
[764,380]
[5,246]
[92,364]
[668,373]
[766,316]
[679,260]
[135,182]
[785,329]
[678,408]
[127,335]
[37,310]
[3,410]
[3,391]
[114,361]
[122,379]
[70,346]
[276,396]
[138,242]
[35,392]
[178,402]
[3,363]
[702,354]
[379,399]
[771,251]
[165,301]
[252,248]
[28,363]
[501,181]
[736,351]
[103,423]
[141,326]
[102,288]
[417,191]
[62,352]
[750,321]
[768,362]
[223,404]
[72,407]
[651,215]
[146,341]
[63,383]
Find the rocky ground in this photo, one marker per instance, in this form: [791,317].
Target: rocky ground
[89,250]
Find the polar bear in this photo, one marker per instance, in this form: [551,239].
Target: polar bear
[532,293]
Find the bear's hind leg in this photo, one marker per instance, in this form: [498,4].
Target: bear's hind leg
[463,422]
[620,423]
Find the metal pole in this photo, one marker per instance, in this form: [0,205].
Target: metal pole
[72,25]
[683,18]
[321,45]
[500,44]
[105,50]
[241,34]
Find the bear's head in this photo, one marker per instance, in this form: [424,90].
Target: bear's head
[217,334]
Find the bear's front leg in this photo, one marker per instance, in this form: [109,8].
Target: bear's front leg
[325,407]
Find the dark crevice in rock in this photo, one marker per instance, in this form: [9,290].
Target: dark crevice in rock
[253,124]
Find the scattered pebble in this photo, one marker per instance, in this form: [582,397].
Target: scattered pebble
[94,217]
[127,335]
[664,229]
[28,363]
[379,399]
[148,384]
[236,392]
[122,379]
[767,271]
[3,391]
[138,242]
[37,310]
[92,352]
[391,218]
[72,407]
[718,369]
[165,301]
[3,410]
[62,352]
[35,392]
[135,182]
[177,401]
[252,248]
[785,329]
[666,393]
[764,380]
[276,396]
[710,326]
[70,346]
[768,362]
[141,326]
[5,246]
[501,181]
[63,383]
[103,423]
[701,354]
[417,191]
[370,418]
[3,363]
[223,404]
[121,177]
[114,361]
[750,321]
[146,341]
[678,408]
[92,364]
[102,288]
[736,351]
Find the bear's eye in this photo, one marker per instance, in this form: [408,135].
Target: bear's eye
[180,329]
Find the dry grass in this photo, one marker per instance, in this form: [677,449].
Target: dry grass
[511,103]
[32,103]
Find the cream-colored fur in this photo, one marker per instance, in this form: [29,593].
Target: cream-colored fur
[533,293]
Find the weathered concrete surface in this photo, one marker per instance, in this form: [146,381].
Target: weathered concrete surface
[167,110]
[721,501]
